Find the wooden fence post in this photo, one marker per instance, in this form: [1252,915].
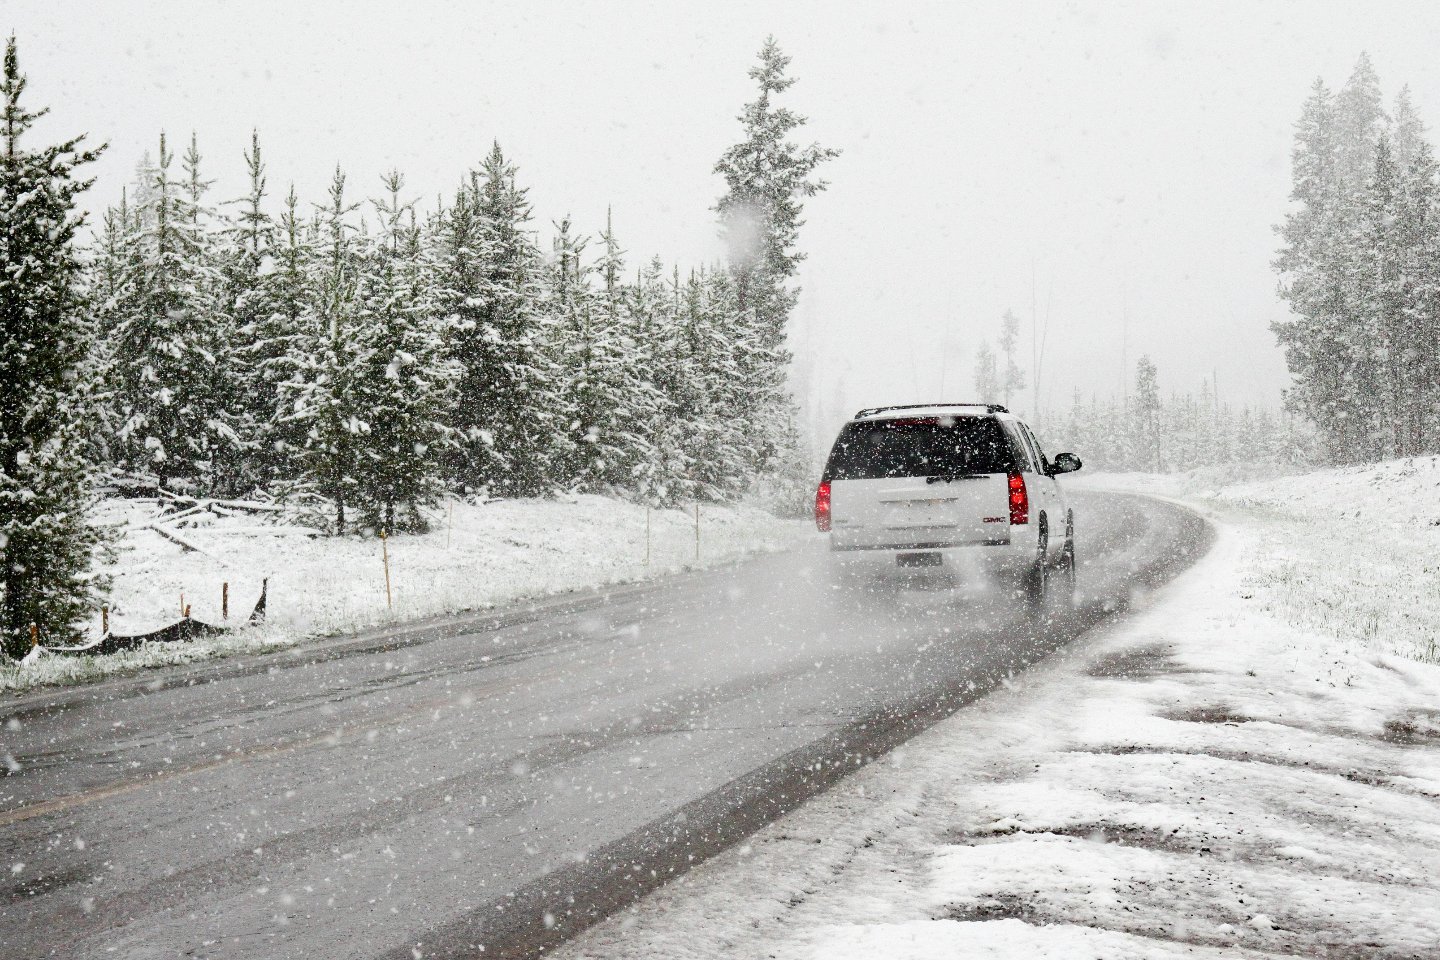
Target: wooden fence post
[34,635]
[697,531]
[104,620]
[225,600]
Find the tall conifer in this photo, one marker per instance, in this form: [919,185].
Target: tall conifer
[46,542]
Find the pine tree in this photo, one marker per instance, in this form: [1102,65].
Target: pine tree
[566,305]
[628,406]
[1320,264]
[668,474]
[987,374]
[260,331]
[1358,268]
[322,398]
[714,344]
[403,384]
[465,289]
[1012,378]
[606,399]
[170,375]
[1379,342]
[114,271]
[288,328]
[767,179]
[506,395]
[1420,350]
[1310,266]
[46,542]
[1146,416]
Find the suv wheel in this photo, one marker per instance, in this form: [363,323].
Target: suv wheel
[1037,578]
[1062,589]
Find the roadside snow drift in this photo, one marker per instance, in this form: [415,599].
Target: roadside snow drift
[479,556]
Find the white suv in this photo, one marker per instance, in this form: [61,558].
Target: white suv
[960,487]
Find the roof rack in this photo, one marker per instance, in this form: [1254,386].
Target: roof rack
[871,411]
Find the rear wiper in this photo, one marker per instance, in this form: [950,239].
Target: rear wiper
[947,477]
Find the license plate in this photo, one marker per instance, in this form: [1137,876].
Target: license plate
[918,559]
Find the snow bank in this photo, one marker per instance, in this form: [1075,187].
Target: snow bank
[1351,552]
[480,555]
[1213,776]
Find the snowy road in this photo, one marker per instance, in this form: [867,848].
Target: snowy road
[496,779]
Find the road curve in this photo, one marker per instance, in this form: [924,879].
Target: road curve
[496,780]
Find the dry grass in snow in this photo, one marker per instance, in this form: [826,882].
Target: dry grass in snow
[481,555]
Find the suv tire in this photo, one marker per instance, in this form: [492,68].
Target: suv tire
[1036,580]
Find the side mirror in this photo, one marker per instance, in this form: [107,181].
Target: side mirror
[1065,463]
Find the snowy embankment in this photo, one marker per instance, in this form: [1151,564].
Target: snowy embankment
[1248,765]
[477,556]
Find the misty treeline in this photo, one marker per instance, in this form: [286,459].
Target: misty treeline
[360,356]
[1360,267]
[1145,428]
[1157,432]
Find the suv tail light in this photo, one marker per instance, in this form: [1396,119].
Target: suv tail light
[822,507]
[1019,500]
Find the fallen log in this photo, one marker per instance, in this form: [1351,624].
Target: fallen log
[187,628]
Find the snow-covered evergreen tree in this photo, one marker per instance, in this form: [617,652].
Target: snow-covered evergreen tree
[988,387]
[170,382]
[1420,347]
[1358,269]
[714,345]
[260,332]
[627,404]
[46,541]
[1012,378]
[607,399]
[464,290]
[322,398]
[768,177]
[403,384]
[1145,412]
[506,400]
[278,355]
[1379,319]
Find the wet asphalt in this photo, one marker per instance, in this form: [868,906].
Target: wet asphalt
[502,780]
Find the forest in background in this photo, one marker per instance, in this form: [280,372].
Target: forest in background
[1156,432]
[1146,428]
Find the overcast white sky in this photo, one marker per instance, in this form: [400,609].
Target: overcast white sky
[1134,156]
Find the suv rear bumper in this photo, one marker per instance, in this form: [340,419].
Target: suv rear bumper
[920,545]
[1012,554]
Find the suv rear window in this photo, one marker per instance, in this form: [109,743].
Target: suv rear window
[920,447]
